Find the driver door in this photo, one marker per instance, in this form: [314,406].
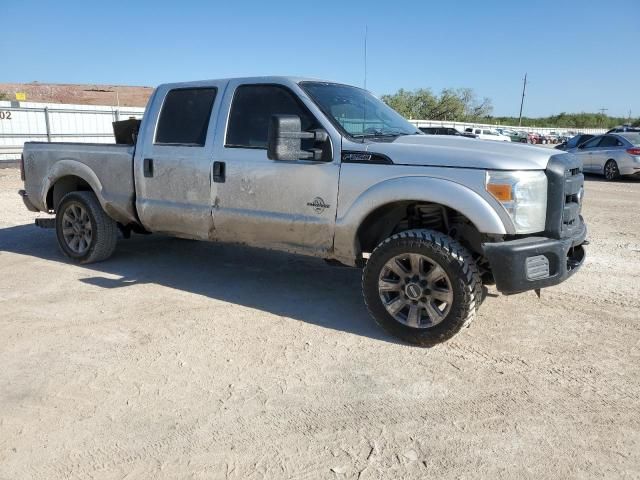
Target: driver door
[284,205]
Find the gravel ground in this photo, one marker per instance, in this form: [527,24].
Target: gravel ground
[180,359]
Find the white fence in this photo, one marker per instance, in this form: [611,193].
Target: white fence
[52,122]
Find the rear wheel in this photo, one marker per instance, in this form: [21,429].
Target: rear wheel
[86,234]
[422,286]
[611,171]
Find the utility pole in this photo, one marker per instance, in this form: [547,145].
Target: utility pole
[602,110]
[524,87]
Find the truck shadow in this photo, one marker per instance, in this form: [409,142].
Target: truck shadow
[302,288]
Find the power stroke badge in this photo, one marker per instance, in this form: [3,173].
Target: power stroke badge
[318,205]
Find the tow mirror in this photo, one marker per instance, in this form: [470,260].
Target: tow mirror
[284,141]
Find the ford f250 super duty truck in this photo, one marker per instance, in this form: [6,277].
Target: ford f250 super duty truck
[324,169]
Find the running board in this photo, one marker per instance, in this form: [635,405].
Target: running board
[46,222]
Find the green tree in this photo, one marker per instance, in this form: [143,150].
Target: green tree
[568,120]
[451,104]
[463,105]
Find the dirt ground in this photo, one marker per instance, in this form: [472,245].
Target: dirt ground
[80,94]
[179,359]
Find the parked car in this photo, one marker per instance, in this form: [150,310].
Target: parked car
[512,134]
[611,155]
[533,138]
[573,142]
[294,165]
[487,134]
[440,131]
[624,128]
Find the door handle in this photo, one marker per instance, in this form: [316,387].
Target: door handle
[219,169]
[147,167]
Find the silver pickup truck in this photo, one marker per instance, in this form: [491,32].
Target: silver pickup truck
[324,169]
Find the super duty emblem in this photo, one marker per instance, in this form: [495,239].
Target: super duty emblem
[318,205]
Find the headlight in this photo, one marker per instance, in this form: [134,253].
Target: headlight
[523,194]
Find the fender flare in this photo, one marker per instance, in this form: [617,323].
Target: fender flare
[68,167]
[486,217]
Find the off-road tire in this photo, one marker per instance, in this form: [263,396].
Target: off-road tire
[104,228]
[457,263]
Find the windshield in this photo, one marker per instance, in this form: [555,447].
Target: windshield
[356,112]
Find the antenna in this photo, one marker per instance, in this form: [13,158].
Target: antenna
[524,87]
[366,30]
[602,110]
[364,98]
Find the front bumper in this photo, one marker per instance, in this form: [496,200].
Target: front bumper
[27,202]
[514,273]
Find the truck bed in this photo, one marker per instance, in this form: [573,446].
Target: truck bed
[107,168]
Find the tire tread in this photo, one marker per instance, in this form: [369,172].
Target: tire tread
[106,229]
[471,282]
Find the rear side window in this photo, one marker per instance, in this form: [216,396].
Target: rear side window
[609,141]
[184,117]
[252,108]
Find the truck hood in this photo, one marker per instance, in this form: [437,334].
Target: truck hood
[444,151]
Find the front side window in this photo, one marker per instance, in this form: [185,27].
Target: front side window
[356,112]
[251,111]
[592,143]
[184,118]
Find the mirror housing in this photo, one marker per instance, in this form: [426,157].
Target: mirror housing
[284,140]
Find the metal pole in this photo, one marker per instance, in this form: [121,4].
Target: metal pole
[366,29]
[524,87]
[46,122]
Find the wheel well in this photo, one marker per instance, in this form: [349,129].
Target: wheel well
[64,185]
[410,214]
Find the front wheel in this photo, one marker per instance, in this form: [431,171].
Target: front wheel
[422,286]
[86,234]
[611,171]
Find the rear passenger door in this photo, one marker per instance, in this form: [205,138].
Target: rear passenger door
[173,164]
[608,148]
[285,205]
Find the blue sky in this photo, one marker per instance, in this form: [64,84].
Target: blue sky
[580,55]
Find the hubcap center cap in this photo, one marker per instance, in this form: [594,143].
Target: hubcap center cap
[413,291]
